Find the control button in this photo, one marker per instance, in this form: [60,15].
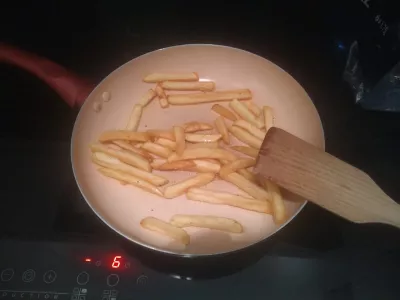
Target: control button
[82,297]
[106,292]
[75,291]
[105,298]
[46,296]
[7,274]
[83,291]
[49,276]
[113,298]
[98,263]
[112,279]
[75,297]
[82,278]
[114,293]
[142,280]
[28,275]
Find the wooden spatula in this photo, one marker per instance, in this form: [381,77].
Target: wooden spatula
[324,179]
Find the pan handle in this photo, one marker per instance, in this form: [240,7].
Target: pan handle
[72,89]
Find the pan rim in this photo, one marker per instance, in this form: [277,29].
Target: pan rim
[151,247]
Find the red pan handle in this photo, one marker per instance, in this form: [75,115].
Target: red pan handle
[70,87]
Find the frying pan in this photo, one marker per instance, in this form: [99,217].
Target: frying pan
[122,207]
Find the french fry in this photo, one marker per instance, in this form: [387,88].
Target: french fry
[258,133]
[221,128]
[246,150]
[211,222]
[212,197]
[205,166]
[126,135]
[146,99]
[278,207]
[181,165]
[233,166]
[202,138]
[173,157]
[196,126]
[156,133]
[156,163]
[245,137]
[113,163]
[132,180]
[199,153]
[255,110]
[242,110]
[204,86]
[224,112]
[166,143]
[135,117]
[159,77]
[125,156]
[162,97]
[246,185]
[180,188]
[212,145]
[125,145]
[196,98]
[248,175]
[179,133]
[157,149]
[268,117]
[167,229]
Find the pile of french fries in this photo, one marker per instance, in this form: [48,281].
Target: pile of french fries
[130,156]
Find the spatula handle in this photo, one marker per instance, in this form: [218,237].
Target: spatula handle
[324,179]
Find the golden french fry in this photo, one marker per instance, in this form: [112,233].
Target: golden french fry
[248,175]
[162,97]
[109,162]
[224,112]
[176,165]
[212,145]
[113,146]
[159,77]
[233,166]
[246,185]
[222,129]
[135,117]
[127,135]
[125,145]
[132,180]
[180,188]
[166,134]
[156,163]
[167,229]
[255,110]
[246,150]
[146,99]
[199,153]
[180,139]
[245,137]
[211,222]
[157,149]
[203,195]
[278,207]
[195,98]
[204,86]
[196,126]
[205,166]
[166,143]
[173,157]
[258,133]
[125,156]
[242,110]
[202,138]
[268,117]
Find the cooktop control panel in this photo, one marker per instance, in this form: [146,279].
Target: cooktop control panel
[69,271]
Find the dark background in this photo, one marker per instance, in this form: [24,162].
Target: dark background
[309,39]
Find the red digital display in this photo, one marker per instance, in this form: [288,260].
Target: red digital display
[116,262]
